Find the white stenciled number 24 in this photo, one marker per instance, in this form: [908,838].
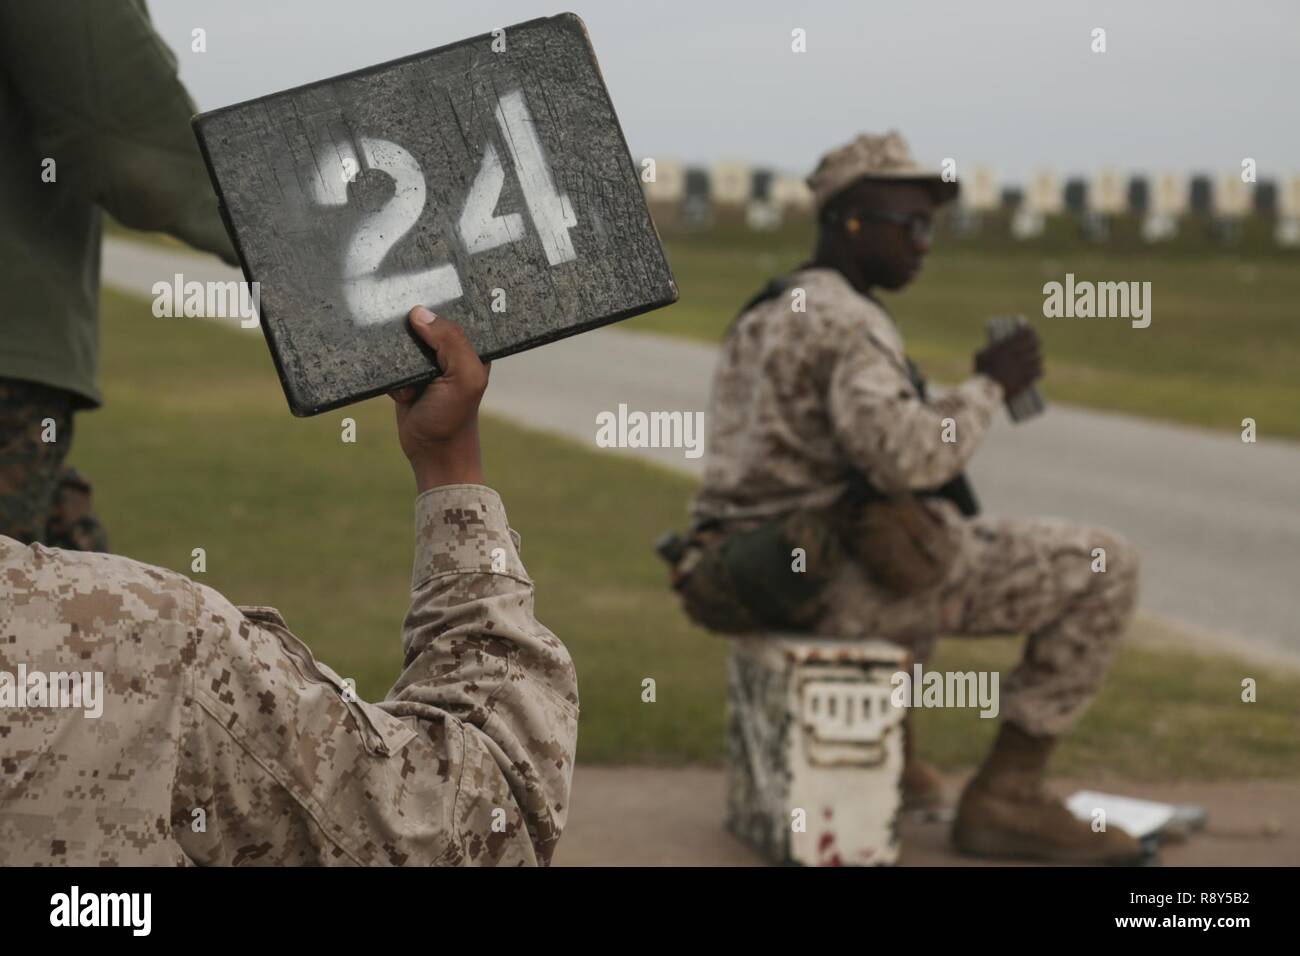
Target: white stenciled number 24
[373,299]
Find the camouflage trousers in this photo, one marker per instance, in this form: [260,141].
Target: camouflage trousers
[1038,577]
[42,500]
[1009,576]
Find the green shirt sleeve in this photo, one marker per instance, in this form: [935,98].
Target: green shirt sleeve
[104,101]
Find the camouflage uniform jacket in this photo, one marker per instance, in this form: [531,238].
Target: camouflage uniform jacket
[803,399]
[218,715]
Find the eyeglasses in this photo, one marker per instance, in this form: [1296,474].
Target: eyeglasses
[919,228]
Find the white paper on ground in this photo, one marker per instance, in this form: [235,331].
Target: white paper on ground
[1138,818]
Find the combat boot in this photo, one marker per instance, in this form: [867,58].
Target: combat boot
[1007,812]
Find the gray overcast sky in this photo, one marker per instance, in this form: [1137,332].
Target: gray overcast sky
[1183,85]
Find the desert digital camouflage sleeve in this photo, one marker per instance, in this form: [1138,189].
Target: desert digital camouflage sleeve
[218,739]
[467,761]
[888,433]
[474,650]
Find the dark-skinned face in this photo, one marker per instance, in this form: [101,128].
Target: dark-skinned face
[885,252]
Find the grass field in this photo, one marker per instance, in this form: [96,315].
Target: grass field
[1223,344]
[196,448]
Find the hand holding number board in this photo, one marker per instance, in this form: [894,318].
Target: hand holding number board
[488,180]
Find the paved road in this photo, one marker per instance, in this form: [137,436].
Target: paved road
[1216,520]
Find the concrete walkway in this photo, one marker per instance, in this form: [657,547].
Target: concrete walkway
[1217,521]
[655,816]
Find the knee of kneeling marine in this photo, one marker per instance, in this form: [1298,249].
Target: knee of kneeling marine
[1113,554]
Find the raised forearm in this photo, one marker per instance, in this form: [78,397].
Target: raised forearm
[473,649]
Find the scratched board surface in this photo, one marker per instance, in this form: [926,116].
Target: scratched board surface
[488,180]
